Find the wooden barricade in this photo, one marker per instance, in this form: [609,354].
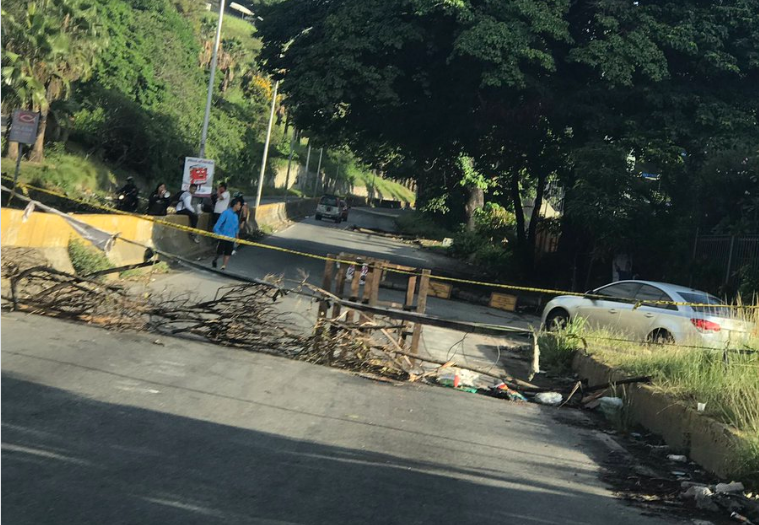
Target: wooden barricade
[363,276]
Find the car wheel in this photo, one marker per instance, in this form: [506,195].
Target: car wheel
[660,337]
[318,217]
[557,320]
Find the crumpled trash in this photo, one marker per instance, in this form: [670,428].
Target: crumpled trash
[697,491]
[677,458]
[729,488]
[501,390]
[740,518]
[612,408]
[459,379]
[549,398]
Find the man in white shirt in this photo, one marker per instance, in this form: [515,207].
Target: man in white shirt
[222,202]
[185,207]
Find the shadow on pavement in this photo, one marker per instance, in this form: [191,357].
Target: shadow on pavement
[71,459]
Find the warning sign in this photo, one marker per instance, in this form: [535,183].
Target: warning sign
[198,171]
[24,126]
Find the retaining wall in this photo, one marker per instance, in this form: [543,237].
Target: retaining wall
[704,440]
[277,215]
[50,234]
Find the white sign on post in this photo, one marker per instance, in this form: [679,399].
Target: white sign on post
[198,171]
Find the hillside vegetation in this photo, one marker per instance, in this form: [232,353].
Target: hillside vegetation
[136,105]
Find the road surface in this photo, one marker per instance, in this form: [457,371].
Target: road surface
[104,427]
[325,237]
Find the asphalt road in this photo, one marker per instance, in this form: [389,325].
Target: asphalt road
[325,237]
[103,427]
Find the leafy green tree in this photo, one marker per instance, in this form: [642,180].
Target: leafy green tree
[47,45]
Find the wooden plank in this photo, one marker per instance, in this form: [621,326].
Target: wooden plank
[329,268]
[424,319]
[421,306]
[503,301]
[440,290]
[355,288]
[339,289]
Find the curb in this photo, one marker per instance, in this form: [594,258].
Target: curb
[704,440]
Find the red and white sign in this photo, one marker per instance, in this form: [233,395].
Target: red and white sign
[200,172]
[24,126]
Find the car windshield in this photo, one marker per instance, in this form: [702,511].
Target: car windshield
[328,201]
[705,299]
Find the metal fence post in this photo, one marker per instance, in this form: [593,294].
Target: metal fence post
[730,259]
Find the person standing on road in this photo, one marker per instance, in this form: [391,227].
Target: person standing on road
[159,201]
[185,207]
[228,225]
[222,202]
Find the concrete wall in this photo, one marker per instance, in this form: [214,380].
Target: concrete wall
[50,234]
[277,215]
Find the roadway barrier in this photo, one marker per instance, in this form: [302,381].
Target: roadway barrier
[278,215]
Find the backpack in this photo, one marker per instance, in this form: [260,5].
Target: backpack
[176,197]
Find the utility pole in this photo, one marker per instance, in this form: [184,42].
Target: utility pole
[318,172]
[308,160]
[289,162]
[214,60]
[337,174]
[266,145]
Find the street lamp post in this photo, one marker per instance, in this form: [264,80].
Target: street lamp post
[289,162]
[266,145]
[209,98]
[318,172]
[308,161]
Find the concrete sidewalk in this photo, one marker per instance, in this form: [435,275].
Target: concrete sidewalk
[105,427]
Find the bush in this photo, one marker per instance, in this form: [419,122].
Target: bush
[85,259]
[495,222]
[421,225]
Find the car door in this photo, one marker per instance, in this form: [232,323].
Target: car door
[641,320]
[606,313]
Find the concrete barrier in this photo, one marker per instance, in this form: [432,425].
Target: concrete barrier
[704,440]
[50,235]
[278,214]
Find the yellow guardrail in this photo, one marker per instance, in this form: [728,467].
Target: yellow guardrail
[25,187]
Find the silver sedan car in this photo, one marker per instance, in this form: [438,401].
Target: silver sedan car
[629,308]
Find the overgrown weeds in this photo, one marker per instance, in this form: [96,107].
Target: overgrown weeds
[727,382]
[85,259]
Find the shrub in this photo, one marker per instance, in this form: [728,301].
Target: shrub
[86,259]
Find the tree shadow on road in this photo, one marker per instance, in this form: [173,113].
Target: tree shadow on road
[72,459]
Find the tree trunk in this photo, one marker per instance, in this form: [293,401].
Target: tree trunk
[475,202]
[516,198]
[38,153]
[535,218]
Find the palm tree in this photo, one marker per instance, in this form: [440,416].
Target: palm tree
[46,46]
[232,55]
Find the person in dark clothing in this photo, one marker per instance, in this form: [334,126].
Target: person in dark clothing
[159,201]
[128,196]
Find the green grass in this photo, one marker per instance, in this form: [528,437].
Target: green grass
[234,27]
[85,259]
[421,225]
[69,171]
[729,387]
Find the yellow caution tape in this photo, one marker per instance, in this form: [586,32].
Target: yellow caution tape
[246,242]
